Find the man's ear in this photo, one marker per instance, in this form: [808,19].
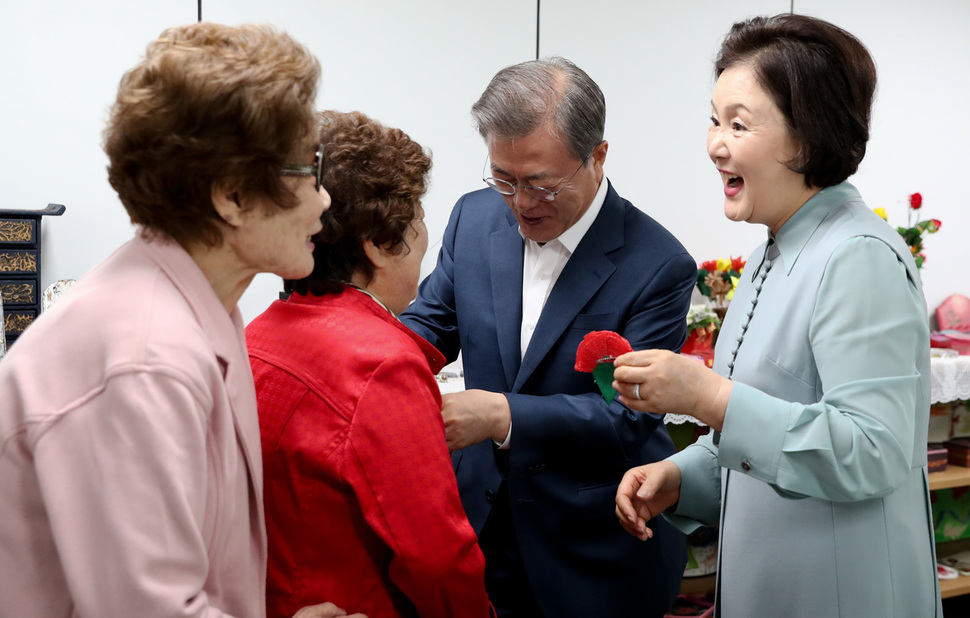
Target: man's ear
[226,203]
[598,157]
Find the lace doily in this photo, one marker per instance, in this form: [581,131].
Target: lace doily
[950,379]
[680,419]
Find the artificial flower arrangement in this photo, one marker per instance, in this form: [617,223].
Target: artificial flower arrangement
[913,234]
[702,323]
[716,279]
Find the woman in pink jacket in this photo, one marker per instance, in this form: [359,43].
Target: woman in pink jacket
[362,506]
[130,469]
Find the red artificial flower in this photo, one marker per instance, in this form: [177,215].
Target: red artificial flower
[916,201]
[710,266]
[737,264]
[937,223]
[600,346]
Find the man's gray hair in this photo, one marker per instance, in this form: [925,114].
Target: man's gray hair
[522,97]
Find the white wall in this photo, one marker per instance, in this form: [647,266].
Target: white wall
[60,63]
[411,65]
[656,70]
[420,66]
[920,127]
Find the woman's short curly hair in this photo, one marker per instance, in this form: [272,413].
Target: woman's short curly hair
[375,176]
[209,105]
[823,80]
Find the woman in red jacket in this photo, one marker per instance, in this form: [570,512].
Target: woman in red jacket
[362,505]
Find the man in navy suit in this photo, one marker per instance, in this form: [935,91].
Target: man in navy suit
[529,265]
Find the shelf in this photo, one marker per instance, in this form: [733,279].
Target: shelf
[953,476]
[954,587]
[705,584]
[961,585]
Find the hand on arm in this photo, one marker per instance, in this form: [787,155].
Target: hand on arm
[415,510]
[475,415]
[671,383]
[645,492]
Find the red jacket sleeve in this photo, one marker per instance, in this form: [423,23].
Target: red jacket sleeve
[399,466]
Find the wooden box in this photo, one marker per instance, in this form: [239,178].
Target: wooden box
[20,267]
[958,451]
[937,457]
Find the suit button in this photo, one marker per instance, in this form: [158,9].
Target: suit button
[489,495]
[537,468]
[745,466]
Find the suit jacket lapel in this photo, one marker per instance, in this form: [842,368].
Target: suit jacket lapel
[585,273]
[506,249]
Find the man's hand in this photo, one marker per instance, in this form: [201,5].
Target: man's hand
[475,415]
[324,610]
[645,492]
[669,383]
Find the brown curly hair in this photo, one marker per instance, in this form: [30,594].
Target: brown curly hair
[375,176]
[209,105]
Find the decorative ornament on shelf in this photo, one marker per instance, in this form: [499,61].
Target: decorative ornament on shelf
[717,279]
[702,324]
[913,234]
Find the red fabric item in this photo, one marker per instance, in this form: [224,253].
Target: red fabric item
[954,313]
[362,505]
[954,340]
[960,342]
[599,345]
[699,344]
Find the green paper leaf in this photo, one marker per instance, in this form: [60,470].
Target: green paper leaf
[603,375]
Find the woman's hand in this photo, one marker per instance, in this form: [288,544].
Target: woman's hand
[324,610]
[645,492]
[669,383]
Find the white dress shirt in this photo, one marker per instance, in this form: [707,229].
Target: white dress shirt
[541,267]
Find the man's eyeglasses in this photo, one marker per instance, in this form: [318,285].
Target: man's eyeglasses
[307,170]
[538,193]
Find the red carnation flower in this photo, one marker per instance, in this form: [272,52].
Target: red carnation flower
[600,346]
[916,201]
[596,353]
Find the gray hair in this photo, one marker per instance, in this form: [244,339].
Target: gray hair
[521,97]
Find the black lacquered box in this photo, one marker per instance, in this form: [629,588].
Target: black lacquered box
[20,267]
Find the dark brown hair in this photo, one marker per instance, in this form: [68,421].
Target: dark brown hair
[375,176]
[822,79]
[209,105]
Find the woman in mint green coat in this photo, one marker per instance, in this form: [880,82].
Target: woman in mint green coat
[819,395]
